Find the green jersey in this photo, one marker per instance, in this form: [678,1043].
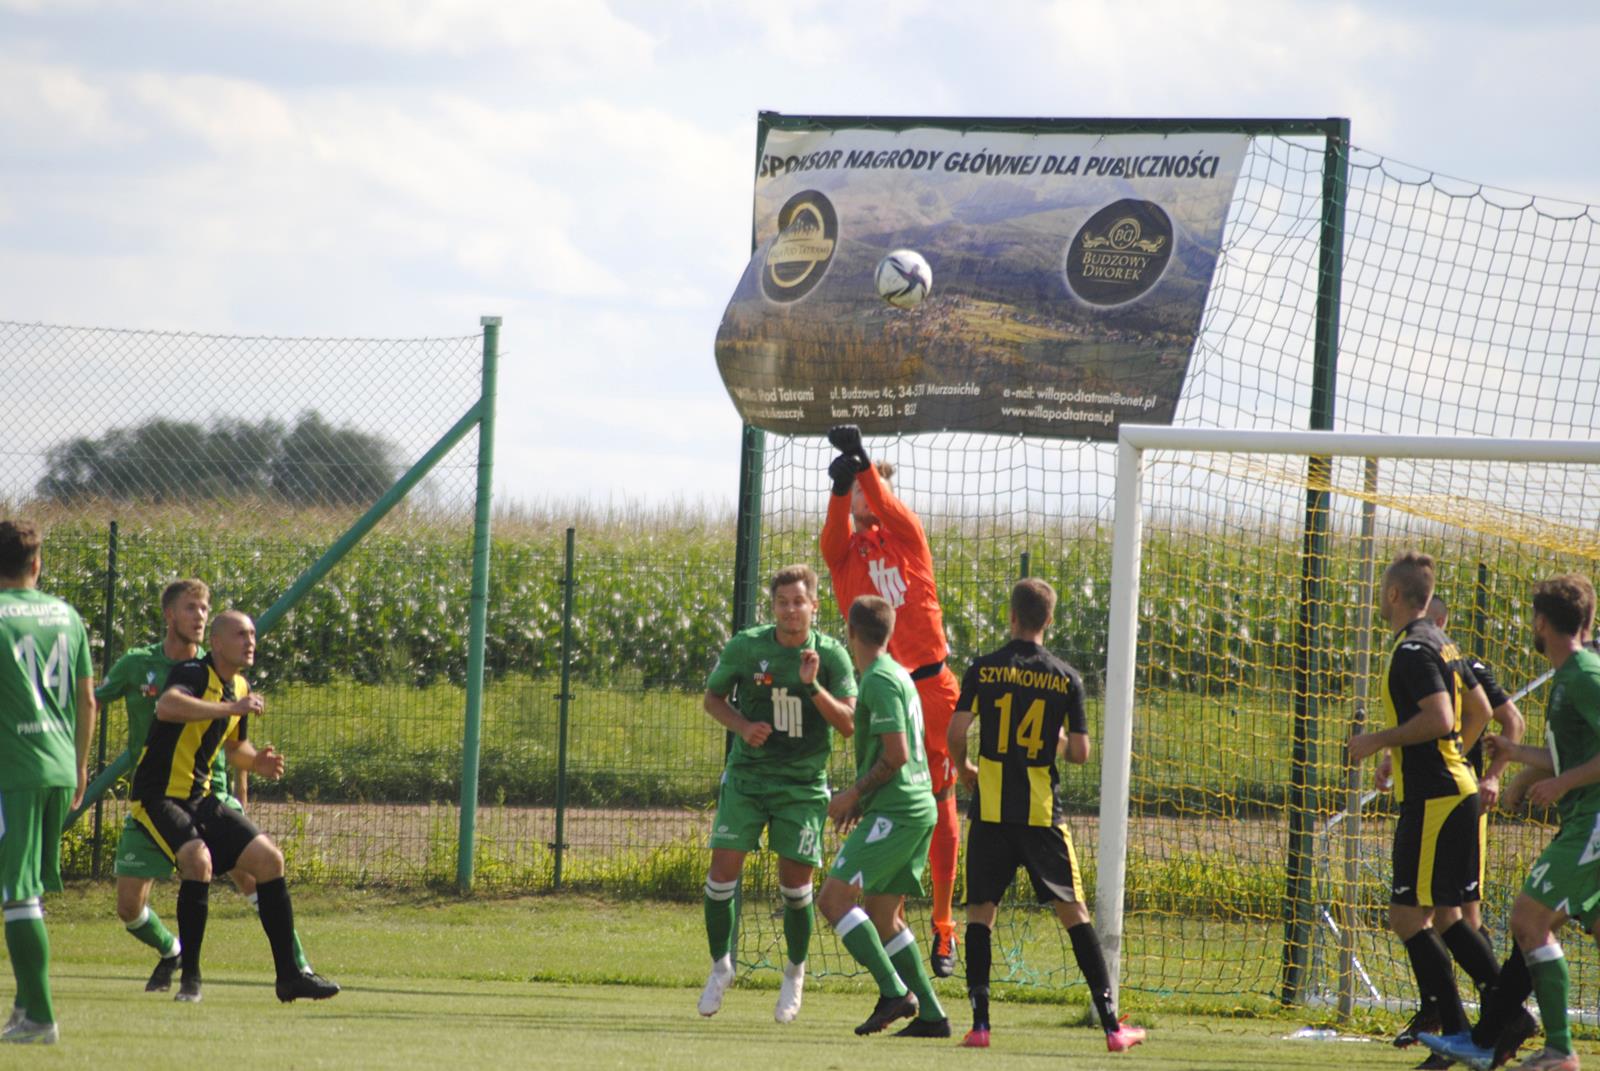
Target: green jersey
[44,653]
[889,704]
[761,677]
[137,679]
[1572,728]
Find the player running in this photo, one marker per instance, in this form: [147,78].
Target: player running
[137,679]
[874,545]
[1565,882]
[1029,706]
[781,690]
[1425,684]
[889,816]
[46,722]
[205,707]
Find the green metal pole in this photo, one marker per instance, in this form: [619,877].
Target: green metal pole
[369,520]
[1310,685]
[108,631]
[478,613]
[567,584]
[1022,566]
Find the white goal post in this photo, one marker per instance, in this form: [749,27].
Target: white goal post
[1132,443]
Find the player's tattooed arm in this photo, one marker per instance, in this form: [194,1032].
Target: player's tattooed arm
[845,807]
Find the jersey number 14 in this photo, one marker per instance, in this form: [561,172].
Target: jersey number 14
[1030,730]
[45,671]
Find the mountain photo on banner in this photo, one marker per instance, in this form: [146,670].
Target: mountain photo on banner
[1070,273]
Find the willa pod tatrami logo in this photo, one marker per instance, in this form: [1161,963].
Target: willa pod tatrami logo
[808,234]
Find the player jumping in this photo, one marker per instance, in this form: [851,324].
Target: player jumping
[874,545]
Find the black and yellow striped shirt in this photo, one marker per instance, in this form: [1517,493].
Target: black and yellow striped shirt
[1022,695]
[1422,663]
[177,756]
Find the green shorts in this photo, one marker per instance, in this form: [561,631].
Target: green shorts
[139,857]
[1567,878]
[30,841]
[792,813]
[885,853]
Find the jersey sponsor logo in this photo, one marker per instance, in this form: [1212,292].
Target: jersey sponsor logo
[762,675]
[788,716]
[881,828]
[150,688]
[888,582]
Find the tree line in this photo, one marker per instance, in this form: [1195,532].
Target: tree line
[312,463]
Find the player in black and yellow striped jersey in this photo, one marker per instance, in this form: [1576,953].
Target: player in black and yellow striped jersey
[205,706]
[1029,707]
[1429,695]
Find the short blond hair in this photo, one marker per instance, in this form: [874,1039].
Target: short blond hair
[179,588]
[1411,572]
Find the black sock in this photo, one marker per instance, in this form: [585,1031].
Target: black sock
[277,919]
[1503,999]
[978,958]
[1473,951]
[1436,979]
[194,904]
[1086,947]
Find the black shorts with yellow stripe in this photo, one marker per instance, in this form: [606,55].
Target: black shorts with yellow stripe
[996,849]
[1437,854]
[172,823]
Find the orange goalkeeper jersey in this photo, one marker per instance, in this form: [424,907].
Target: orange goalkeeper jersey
[890,559]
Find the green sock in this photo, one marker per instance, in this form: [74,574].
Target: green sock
[1548,967]
[29,946]
[797,921]
[148,930]
[860,939]
[907,960]
[300,961]
[720,916]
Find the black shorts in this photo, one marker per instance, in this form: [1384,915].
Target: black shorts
[996,849]
[1437,853]
[172,823]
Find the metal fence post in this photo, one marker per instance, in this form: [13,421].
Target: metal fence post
[478,612]
[105,671]
[565,697]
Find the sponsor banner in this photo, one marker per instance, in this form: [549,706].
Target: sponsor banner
[1068,273]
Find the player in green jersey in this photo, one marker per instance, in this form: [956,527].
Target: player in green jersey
[889,814]
[781,690]
[46,722]
[137,679]
[1565,881]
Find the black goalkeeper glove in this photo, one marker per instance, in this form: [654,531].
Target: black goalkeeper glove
[846,438]
[843,471]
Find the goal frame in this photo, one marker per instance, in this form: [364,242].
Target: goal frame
[1133,440]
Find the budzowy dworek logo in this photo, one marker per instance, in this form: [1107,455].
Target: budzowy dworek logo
[1120,253]
[808,234]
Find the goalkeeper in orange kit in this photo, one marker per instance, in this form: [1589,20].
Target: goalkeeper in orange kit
[874,545]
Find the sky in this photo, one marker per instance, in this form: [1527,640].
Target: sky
[584,168]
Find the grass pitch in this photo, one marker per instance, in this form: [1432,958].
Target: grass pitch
[550,982]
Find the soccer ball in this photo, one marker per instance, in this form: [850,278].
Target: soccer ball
[904,278]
